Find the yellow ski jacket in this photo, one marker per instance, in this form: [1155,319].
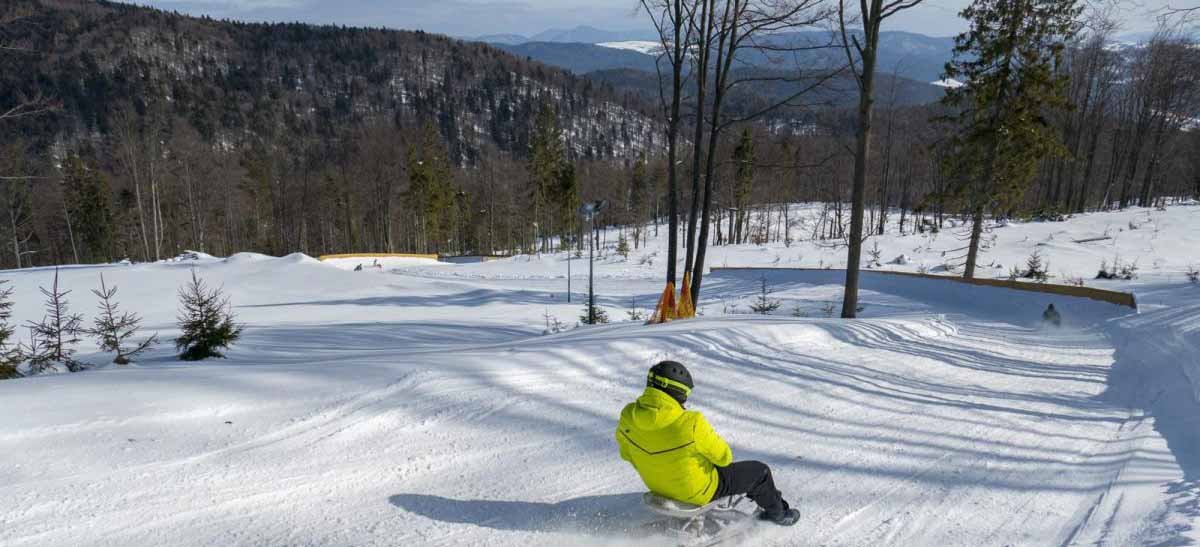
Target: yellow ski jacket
[675,451]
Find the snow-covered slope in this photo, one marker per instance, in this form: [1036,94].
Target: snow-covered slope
[421,405]
[948,83]
[641,46]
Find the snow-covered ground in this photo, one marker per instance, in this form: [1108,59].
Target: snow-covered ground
[421,404]
[382,262]
[1161,243]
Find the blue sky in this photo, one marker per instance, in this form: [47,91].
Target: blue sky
[477,17]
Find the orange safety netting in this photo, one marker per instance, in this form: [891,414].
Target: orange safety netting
[685,308]
[665,310]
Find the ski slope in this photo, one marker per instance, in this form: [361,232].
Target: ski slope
[422,405]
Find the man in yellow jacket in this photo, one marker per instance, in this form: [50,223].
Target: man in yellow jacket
[679,455]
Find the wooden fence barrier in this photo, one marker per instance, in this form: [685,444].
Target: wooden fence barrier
[1111,297]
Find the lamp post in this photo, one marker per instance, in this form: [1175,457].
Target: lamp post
[589,211]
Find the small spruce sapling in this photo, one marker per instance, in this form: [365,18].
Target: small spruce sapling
[601,316]
[553,325]
[828,309]
[876,257]
[1118,270]
[112,328]
[205,322]
[52,340]
[1129,271]
[1036,268]
[764,305]
[622,246]
[635,313]
[10,356]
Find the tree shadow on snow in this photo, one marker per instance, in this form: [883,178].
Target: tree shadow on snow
[607,515]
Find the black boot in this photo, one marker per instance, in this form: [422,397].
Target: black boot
[786,517]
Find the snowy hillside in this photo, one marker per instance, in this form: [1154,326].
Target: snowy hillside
[420,403]
[1161,243]
[648,47]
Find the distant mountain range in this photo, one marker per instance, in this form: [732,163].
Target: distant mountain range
[626,60]
[581,58]
[579,35]
[587,49]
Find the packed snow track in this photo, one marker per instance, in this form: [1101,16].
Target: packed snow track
[411,413]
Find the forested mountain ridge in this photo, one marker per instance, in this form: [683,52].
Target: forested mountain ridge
[234,81]
[129,132]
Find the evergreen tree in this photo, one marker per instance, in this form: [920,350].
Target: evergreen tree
[1007,60]
[548,178]
[52,340]
[567,200]
[10,356]
[622,245]
[113,327]
[640,197]
[764,304]
[87,195]
[431,192]
[601,316]
[205,321]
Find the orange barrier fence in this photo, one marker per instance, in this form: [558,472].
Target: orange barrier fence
[1111,297]
[665,310]
[685,308]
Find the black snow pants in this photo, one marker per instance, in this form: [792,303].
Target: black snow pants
[754,479]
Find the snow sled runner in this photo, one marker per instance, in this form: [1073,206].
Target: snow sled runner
[720,522]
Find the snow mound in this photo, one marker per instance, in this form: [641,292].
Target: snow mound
[300,258]
[185,256]
[246,258]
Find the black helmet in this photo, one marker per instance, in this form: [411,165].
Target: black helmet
[671,378]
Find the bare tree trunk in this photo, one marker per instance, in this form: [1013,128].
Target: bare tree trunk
[704,48]
[157,212]
[130,151]
[866,104]
[887,168]
[973,248]
[670,19]
[16,240]
[70,232]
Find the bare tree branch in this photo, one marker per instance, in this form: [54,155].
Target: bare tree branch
[28,107]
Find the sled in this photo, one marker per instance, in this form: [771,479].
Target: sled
[708,525]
